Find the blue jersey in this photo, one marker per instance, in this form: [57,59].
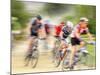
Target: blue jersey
[35,26]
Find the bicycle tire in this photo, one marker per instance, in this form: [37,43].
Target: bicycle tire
[65,61]
[32,56]
[34,59]
[57,59]
[56,53]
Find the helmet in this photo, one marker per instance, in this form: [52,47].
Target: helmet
[69,24]
[38,17]
[84,19]
[62,23]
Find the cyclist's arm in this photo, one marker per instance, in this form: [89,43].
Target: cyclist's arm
[61,34]
[39,27]
[90,36]
[41,32]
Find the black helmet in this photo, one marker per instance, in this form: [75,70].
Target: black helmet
[38,17]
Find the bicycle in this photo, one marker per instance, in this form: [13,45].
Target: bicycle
[33,55]
[55,52]
[79,56]
[58,55]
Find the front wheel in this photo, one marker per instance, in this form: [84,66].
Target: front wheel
[57,59]
[65,62]
[34,59]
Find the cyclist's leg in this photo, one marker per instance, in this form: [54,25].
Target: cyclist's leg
[63,47]
[31,42]
[82,47]
[74,42]
[82,44]
[73,51]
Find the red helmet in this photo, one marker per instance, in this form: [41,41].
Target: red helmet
[62,23]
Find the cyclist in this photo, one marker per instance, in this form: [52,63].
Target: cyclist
[58,29]
[66,31]
[80,28]
[47,26]
[34,30]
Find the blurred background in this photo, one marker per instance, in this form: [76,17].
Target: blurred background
[21,14]
[23,11]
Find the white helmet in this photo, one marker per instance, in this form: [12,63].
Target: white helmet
[84,19]
[69,24]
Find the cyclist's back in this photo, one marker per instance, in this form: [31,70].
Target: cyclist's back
[35,25]
[58,29]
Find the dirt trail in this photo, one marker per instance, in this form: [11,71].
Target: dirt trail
[45,63]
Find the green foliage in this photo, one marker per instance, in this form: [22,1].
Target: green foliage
[92,57]
[17,10]
[83,11]
[92,26]
[67,18]
[70,18]
[86,11]
[15,24]
[54,9]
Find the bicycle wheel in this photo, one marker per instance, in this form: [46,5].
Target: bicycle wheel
[65,64]
[34,58]
[65,61]
[80,59]
[57,59]
[56,53]
[27,59]
[87,60]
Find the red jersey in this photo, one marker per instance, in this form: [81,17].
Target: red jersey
[58,29]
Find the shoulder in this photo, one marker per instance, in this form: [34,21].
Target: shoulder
[77,27]
[64,28]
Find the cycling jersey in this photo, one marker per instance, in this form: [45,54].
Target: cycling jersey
[58,30]
[65,32]
[74,39]
[80,30]
[35,26]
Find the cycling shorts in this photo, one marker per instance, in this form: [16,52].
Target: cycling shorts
[75,41]
[33,34]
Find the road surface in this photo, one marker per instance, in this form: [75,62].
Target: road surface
[45,63]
